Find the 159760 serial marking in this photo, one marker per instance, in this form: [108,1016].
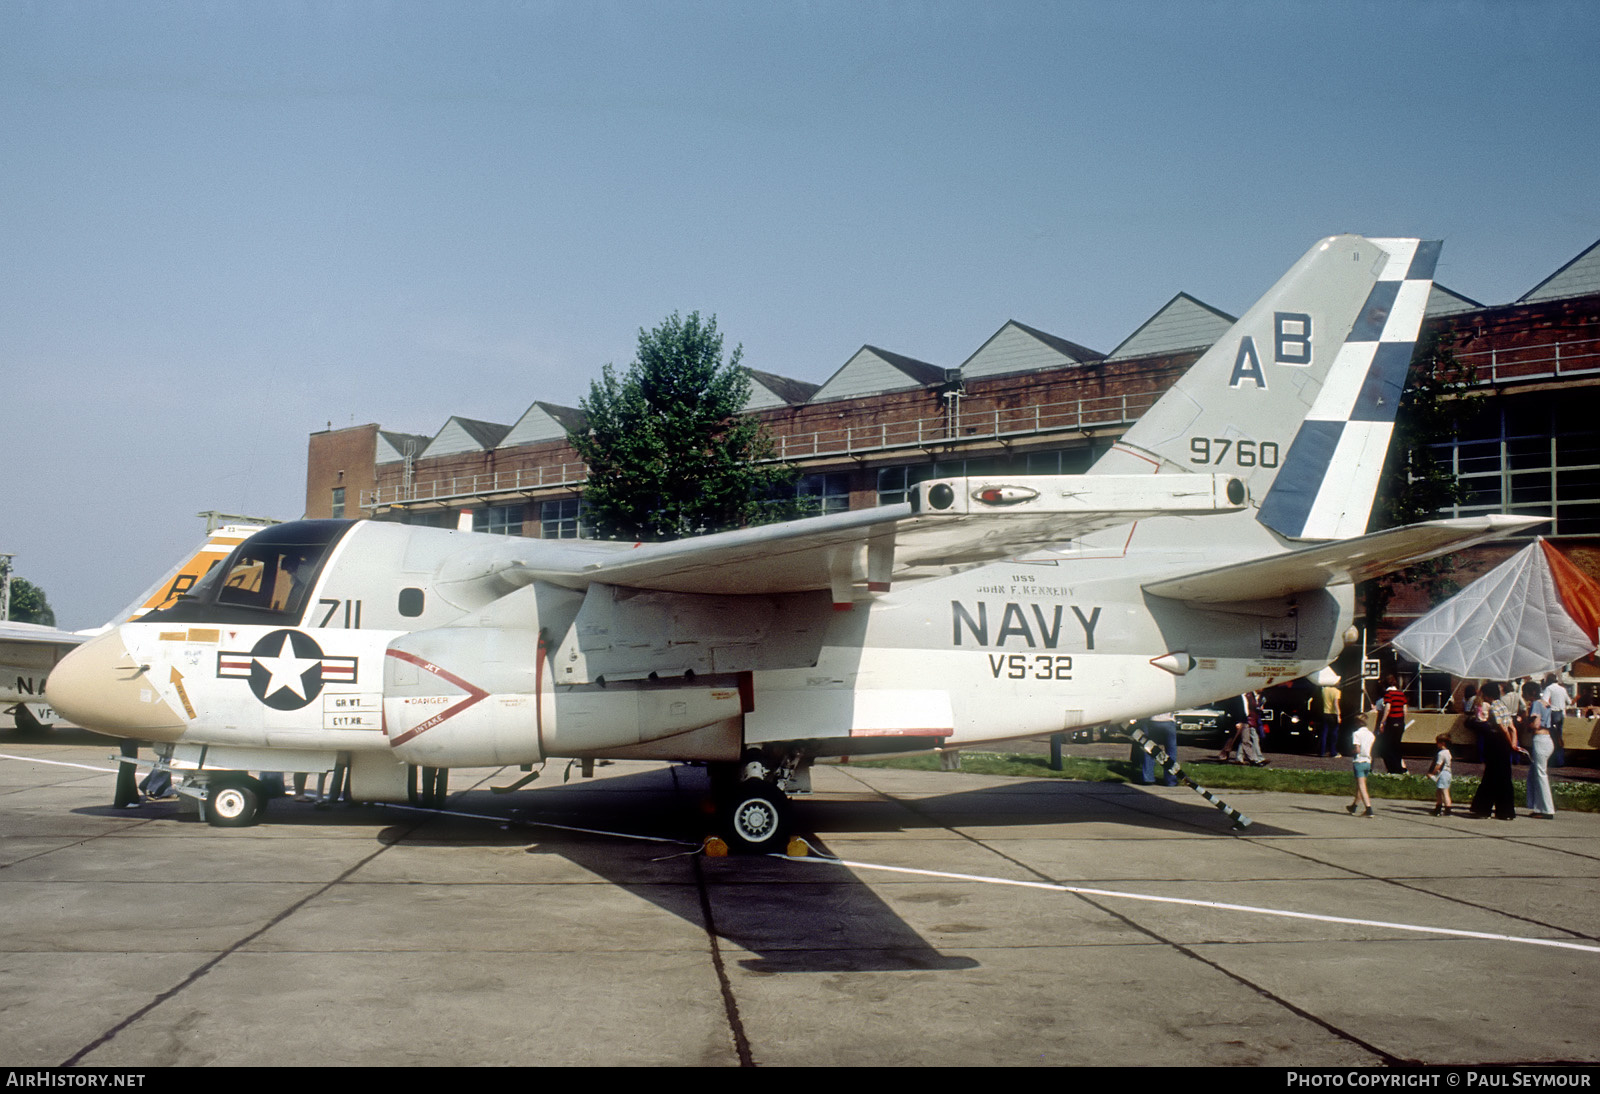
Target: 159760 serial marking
[1026,666]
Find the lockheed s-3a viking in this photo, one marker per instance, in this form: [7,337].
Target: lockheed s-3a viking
[1213,549]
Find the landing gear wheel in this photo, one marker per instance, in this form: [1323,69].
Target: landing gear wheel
[27,725]
[756,818]
[234,803]
[434,789]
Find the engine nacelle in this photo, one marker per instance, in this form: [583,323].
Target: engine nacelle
[481,696]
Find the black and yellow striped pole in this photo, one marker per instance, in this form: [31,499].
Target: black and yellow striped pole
[1170,765]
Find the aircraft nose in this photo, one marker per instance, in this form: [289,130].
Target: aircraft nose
[100,686]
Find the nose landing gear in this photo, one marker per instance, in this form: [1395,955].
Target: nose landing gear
[234,801]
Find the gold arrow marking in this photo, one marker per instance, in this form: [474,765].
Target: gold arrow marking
[183,696]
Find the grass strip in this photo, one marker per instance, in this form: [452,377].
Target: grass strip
[1581,797]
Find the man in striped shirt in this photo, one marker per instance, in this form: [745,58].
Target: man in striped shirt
[1391,709]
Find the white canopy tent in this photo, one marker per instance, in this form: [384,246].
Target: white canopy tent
[1532,613]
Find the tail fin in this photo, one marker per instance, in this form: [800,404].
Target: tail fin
[178,580]
[1298,398]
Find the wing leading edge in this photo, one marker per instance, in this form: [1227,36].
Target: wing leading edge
[947,524]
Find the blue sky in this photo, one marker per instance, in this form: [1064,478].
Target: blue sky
[229,224]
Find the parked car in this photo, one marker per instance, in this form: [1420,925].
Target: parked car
[1291,713]
[1203,726]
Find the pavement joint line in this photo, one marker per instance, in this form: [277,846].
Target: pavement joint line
[730,1001]
[1044,885]
[535,824]
[1412,884]
[1216,905]
[1275,998]
[1187,951]
[204,968]
[1087,896]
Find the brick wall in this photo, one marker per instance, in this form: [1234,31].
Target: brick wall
[340,457]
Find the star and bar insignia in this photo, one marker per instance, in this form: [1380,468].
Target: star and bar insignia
[286,669]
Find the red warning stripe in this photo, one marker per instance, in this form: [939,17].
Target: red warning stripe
[474,695]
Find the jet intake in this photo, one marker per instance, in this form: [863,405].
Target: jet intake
[460,696]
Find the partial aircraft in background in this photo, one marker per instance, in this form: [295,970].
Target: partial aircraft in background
[1213,549]
[28,652]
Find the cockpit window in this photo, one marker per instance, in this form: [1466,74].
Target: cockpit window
[267,579]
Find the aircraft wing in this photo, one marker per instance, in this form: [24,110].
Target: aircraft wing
[947,524]
[32,634]
[1339,562]
[20,635]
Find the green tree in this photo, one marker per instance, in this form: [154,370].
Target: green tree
[1440,397]
[28,603]
[669,449]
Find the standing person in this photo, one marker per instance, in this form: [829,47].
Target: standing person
[1492,721]
[1558,699]
[1361,766]
[1541,803]
[1233,719]
[1517,701]
[1250,744]
[1440,773]
[1391,707]
[1328,740]
[1163,730]
[127,791]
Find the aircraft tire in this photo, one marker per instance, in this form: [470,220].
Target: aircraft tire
[27,725]
[234,803]
[756,818]
[435,787]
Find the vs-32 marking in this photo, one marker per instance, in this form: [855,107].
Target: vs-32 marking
[1034,666]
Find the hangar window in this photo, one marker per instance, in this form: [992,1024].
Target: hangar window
[894,483]
[561,519]
[432,518]
[500,520]
[825,493]
[336,506]
[1531,456]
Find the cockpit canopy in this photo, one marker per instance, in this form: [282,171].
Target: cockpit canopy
[267,579]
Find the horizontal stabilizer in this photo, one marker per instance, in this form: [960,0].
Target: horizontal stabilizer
[1338,563]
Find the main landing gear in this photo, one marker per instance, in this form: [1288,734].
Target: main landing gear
[753,813]
[28,725]
[432,789]
[756,817]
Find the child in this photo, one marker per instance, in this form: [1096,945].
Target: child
[1440,772]
[1362,764]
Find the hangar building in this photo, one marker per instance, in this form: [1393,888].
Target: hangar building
[1026,402]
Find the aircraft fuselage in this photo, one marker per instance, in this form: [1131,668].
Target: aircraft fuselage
[391,652]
